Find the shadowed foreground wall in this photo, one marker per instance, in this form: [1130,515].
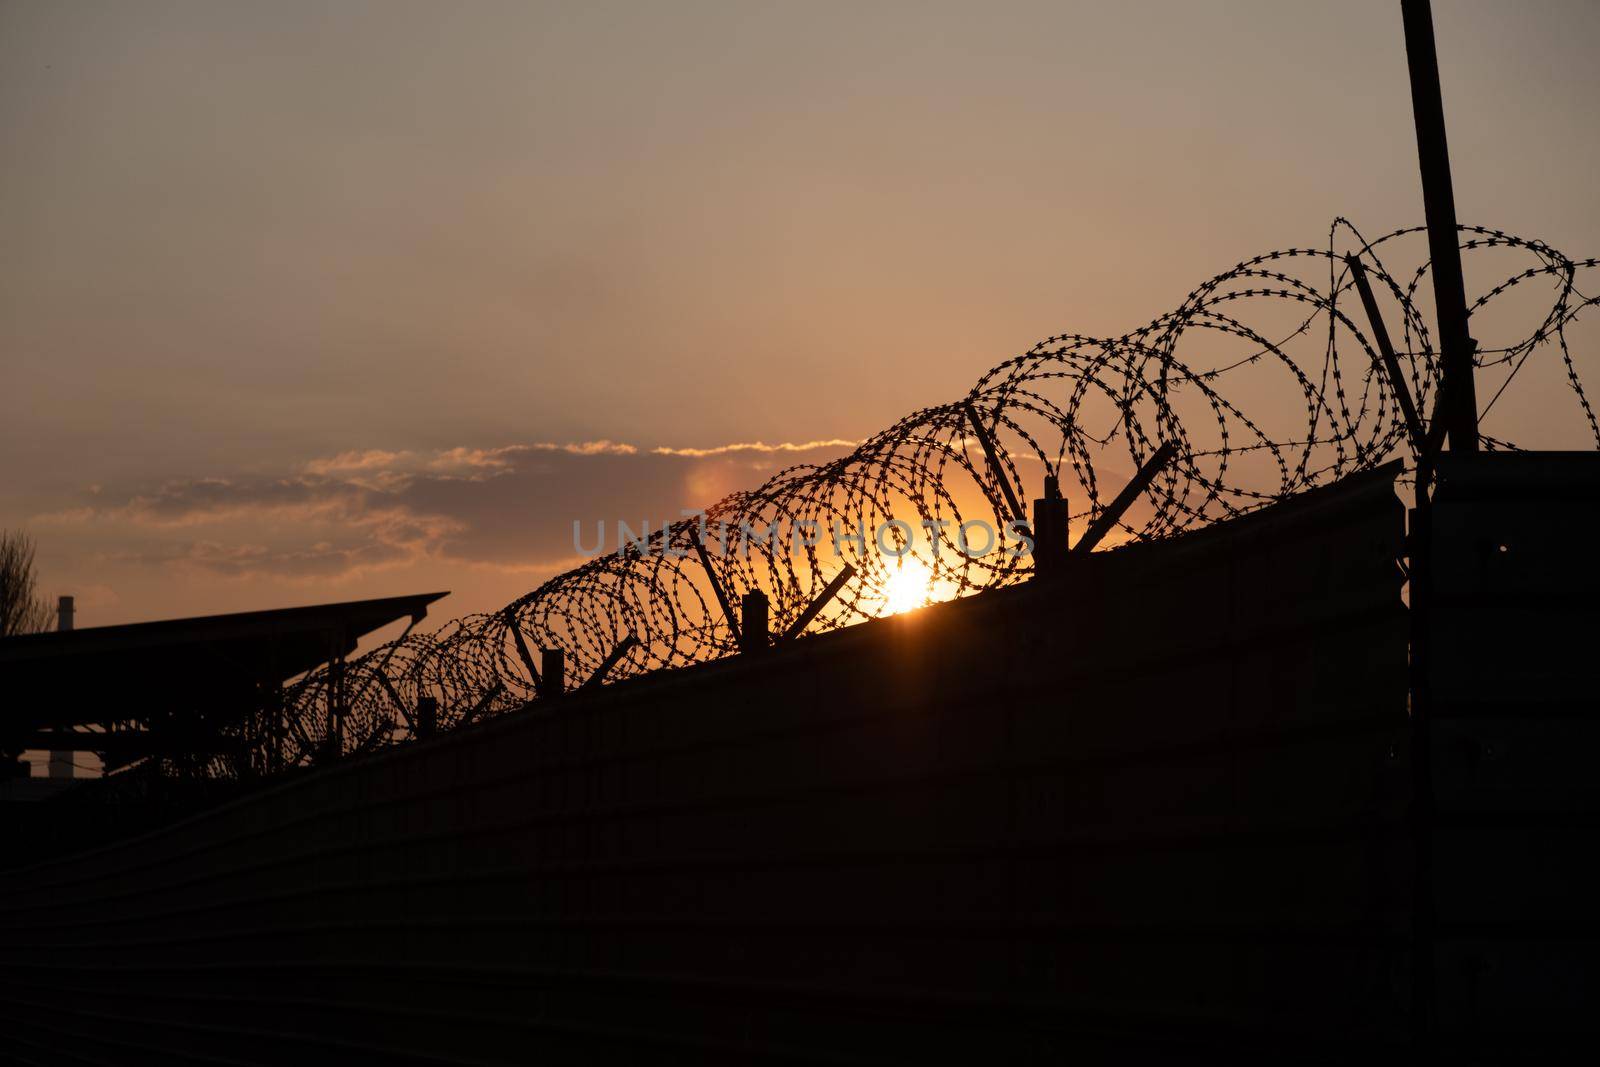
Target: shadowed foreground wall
[1162,801]
[1516,753]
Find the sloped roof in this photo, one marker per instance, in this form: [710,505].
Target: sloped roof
[103,673]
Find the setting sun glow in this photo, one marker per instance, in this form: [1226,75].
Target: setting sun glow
[908,585]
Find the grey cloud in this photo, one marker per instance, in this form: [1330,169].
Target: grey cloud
[510,507]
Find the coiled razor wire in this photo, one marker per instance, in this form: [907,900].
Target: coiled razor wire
[1265,380]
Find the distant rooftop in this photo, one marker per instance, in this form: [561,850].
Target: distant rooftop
[211,664]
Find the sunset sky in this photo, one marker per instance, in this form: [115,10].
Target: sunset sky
[304,302]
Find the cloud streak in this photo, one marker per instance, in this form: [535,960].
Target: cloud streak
[509,507]
[757,447]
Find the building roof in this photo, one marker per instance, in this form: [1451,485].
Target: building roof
[111,673]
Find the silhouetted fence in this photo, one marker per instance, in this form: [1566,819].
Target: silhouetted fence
[1267,381]
[1160,799]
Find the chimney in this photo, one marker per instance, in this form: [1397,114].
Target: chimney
[61,762]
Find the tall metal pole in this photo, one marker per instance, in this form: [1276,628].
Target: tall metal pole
[61,765]
[1449,291]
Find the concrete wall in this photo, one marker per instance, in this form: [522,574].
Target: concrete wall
[1156,807]
[1516,738]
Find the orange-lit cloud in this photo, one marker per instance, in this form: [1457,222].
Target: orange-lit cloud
[359,512]
[760,447]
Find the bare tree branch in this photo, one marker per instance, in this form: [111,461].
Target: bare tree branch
[22,610]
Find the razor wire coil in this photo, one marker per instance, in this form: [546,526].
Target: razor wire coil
[1217,378]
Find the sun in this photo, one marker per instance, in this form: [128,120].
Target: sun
[909,585]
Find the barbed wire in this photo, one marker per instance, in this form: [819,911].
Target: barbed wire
[1264,380]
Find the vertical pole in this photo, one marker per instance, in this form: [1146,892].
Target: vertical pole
[60,765]
[1049,530]
[427,716]
[1458,415]
[753,609]
[555,672]
[1439,202]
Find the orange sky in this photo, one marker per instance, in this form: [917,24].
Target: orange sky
[308,302]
